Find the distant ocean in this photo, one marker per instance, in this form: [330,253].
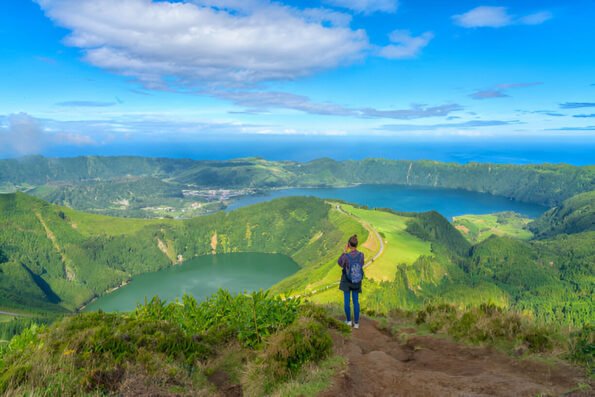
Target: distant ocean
[342,148]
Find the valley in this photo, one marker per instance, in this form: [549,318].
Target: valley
[76,257]
[508,273]
[182,188]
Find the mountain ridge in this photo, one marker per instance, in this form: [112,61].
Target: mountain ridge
[76,181]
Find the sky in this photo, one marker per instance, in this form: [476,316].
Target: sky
[89,73]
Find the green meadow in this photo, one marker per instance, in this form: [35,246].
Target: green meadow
[477,228]
[400,247]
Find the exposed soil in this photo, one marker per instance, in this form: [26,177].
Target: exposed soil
[224,384]
[462,228]
[380,365]
[214,243]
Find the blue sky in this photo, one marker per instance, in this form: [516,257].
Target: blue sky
[98,72]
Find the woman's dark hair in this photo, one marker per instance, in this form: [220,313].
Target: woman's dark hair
[353,241]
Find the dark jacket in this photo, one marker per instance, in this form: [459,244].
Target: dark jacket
[345,284]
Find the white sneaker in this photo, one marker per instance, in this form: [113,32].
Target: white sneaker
[356,325]
[349,323]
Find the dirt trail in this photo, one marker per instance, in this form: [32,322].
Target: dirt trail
[380,365]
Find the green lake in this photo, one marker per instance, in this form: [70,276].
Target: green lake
[201,277]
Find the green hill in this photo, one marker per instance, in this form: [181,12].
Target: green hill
[149,187]
[522,297]
[426,260]
[574,215]
[546,184]
[56,257]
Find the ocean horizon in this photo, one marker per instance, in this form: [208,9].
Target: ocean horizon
[353,148]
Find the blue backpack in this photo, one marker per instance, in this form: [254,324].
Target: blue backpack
[355,268]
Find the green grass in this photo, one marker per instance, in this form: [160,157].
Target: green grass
[322,270]
[400,246]
[313,379]
[91,224]
[4,318]
[466,295]
[477,228]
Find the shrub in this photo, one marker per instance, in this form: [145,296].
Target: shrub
[306,340]
[248,317]
[17,348]
[436,317]
[582,347]
[165,345]
[319,314]
[538,340]
[488,324]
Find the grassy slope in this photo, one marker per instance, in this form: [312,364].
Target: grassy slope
[553,279]
[477,228]
[60,258]
[260,344]
[400,246]
[425,258]
[322,270]
[286,349]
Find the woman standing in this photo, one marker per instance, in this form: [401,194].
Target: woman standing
[352,264]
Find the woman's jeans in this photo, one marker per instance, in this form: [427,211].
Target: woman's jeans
[355,296]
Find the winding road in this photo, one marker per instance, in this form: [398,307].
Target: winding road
[11,314]
[370,229]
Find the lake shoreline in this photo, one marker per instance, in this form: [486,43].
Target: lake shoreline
[200,277]
[405,198]
[107,292]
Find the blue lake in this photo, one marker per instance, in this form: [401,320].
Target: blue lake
[449,202]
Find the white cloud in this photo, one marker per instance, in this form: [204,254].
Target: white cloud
[493,17]
[73,139]
[323,15]
[463,125]
[405,45]
[537,18]
[497,17]
[500,90]
[217,42]
[23,134]
[258,102]
[366,6]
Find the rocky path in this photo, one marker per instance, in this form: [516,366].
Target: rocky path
[381,365]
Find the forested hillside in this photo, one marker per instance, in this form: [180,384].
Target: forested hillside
[57,258]
[551,279]
[148,187]
[574,215]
